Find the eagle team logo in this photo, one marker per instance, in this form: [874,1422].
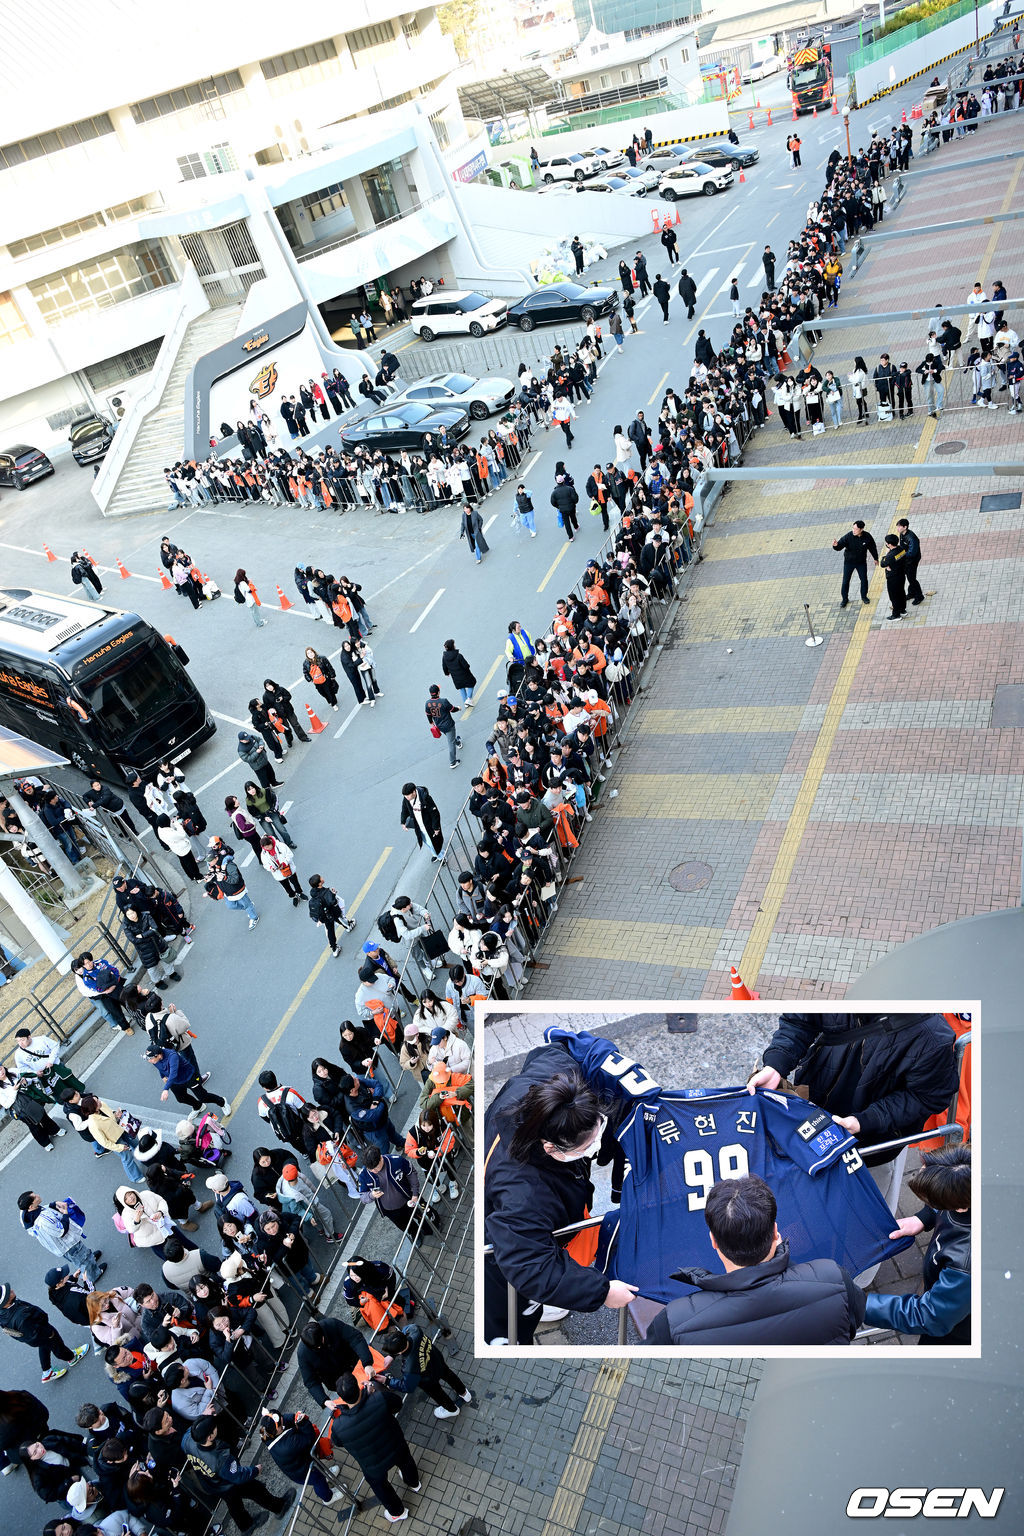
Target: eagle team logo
[264,382]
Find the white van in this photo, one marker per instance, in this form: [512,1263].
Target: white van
[449,311]
[760,69]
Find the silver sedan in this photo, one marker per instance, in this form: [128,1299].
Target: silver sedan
[480,397]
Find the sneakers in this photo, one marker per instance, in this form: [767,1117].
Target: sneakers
[253,921]
[457,763]
[226,1108]
[348,924]
[467,1396]
[54,1374]
[394,1519]
[335,1498]
[458,741]
[79,1354]
[453,1190]
[61,1130]
[446,1413]
[336,951]
[417,1489]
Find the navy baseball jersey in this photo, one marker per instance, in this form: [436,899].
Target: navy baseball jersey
[679,1142]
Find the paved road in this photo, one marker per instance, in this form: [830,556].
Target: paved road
[269,994]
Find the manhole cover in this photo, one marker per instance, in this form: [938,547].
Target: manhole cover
[1001,501]
[951,447]
[691,876]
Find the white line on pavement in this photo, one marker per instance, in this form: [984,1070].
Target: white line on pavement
[726,217]
[706,279]
[532,462]
[720,250]
[230,719]
[347,720]
[490,522]
[229,769]
[435,599]
[286,807]
[247,860]
[100,1059]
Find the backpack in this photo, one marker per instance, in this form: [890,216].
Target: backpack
[238,596]
[287,1123]
[388,928]
[212,1140]
[107,975]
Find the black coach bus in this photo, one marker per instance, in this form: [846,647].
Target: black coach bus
[99,686]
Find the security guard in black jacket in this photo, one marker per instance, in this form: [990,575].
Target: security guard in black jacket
[855,546]
[329,1348]
[910,544]
[894,564]
[540,1134]
[761,1298]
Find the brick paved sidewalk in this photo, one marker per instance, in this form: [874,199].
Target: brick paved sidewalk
[827,803]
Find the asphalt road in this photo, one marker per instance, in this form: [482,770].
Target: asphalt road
[268,995]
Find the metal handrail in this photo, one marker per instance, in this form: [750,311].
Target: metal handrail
[362,234]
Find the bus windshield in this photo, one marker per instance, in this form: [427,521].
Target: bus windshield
[131,690]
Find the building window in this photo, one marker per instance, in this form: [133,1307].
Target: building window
[684,54]
[208,162]
[606,81]
[122,275]
[123,365]
[377,36]
[663,66]
[411,29]
[320,205]
[391,101]
[55,140]
[240,245]
[625,76]
[191,167]
[299,58]
[12,323]
[61,232]
[193,95]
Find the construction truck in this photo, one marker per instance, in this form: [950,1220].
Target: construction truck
[810,76]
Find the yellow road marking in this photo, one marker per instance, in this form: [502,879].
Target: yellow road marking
[495,664]
[595,938]
[785,860]
[581,1462]
[302,993]
[554,565]
[657,387]
[993,240]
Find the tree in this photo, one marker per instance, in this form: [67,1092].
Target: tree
[458,19]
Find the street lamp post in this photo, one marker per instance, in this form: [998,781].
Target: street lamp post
[846,125]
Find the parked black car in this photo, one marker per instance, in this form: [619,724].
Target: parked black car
[20,465]
[734,157]
[556,302]
[90,436]
[404,426]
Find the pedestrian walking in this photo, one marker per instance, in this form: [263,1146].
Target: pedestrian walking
[893,563]
[244,594]
[366,1426]
[83,575]
[859,384]
[639,435]
[113,1130]
[640,272]
[687,290]
[793,145]
[598,491]
[625,276]
[524,511]
[421,815]
[734,295]
[225,883]
[563,414]
[279,862]
[316,669]
[910,545]
[455,667]
[421,1364]
[28,1324]
[440,713]
[213,1472]
[181,1079]
[327,910]
[256,760]
[768,262]
[564,499]
[662,292]
[856,547]
[669,241]
[471,528]
[59,1227]
[615,323]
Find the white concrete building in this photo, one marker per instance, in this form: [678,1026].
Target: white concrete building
[609,68]
[175,176]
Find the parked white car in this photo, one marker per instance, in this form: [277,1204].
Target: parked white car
[450,310]
[690,180]
[762,68]
[480,397]
[605,159]
[620,184]
[565,168]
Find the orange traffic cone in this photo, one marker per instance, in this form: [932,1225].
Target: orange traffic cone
[125,572]
[742,177]
[89,557]
[165,581]
[904,114]
[815,111]
[769,117]
[750,121]
[739,991]
[835,106]
[794,111]
[285,602]
[51,557]
[316,725]
[679,217]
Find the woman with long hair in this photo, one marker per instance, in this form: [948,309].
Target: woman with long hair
[244,594]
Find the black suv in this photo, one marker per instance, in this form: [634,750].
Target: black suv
[20,465]
[90,436]
[734,157]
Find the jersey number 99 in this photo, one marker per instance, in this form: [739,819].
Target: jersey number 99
[699,1171]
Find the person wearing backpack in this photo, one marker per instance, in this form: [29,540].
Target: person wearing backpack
[327,910]
[284,1109]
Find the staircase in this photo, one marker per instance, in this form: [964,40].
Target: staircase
[141,486]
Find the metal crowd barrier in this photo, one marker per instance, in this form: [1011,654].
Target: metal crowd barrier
[949,1130]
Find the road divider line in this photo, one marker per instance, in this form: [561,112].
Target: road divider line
[490,522]
[343,727]
[552,568]
[435,599]
[478,690]
[303,992]
[706,279]
[230,720]
[657,388]
[523,473]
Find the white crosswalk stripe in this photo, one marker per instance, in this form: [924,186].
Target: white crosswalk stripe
[706,279]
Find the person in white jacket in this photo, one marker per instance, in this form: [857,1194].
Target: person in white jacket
[453,1049]
[145,1218]
[279,860]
